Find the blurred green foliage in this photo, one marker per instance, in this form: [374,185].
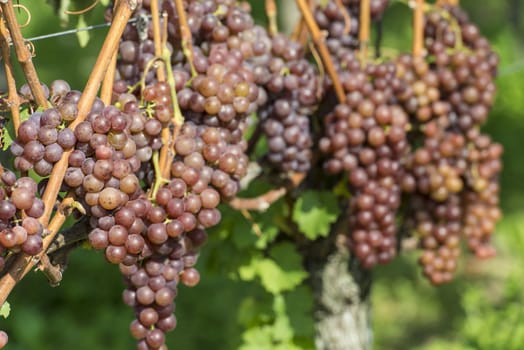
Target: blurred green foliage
[482,309]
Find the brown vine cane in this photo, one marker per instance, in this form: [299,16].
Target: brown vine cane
[418,28]
[271,14]
[22,52]
[318,39]
[13,99]
[363,33]
[24,263]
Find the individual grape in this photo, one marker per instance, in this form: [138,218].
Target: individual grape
[3,339]
[190,277]
[110,198]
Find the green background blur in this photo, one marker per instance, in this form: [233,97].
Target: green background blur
[482,309]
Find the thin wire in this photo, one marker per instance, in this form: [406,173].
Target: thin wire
[76,30]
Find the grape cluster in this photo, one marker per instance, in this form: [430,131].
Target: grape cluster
[342,23]
[465,82]
[293,89]
[20,209]
[240,69]
[217,92]
[366,138]
[444,168]
[438,224]
[42,139]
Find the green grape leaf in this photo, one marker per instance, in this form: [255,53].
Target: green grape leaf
[314,212]
[257,338]
[273,278]
[253,311]
[83,36]
[271,222]
[299,305]
[282,328]
[286,273]
[5,310]
[8,135]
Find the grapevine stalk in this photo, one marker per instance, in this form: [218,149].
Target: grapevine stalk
[106,92]
[363,34]
[271,13]
[347,17]
[185,33]
[318,38]
[161,75]
[13,99]
[418,28]
[157,38]
[22,53]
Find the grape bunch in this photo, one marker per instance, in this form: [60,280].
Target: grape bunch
[449,100]
[42,139]
[293,89]
[365,138]
[434,166]
[439,226]
[216,100]
[342,22]
[20,209]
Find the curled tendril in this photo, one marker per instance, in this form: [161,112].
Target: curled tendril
[87,9]
[26,10]
[31,48]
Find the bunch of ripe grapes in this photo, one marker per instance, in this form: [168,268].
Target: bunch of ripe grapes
[406,143]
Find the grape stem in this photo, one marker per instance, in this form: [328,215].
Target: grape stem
[155,15]
[418,28]
[52,272]
[106,92]
[164,164]
[447,2]
[363,33]
[300,32]
[23,262]
[159,178]
[22,53]
[260,203]
[264,201]
[167,152]
[347,17]
[271,13]
[186,37]
[13,100]
[71,236]
[178,119]
[318,39]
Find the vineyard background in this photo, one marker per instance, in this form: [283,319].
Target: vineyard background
[481,309]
